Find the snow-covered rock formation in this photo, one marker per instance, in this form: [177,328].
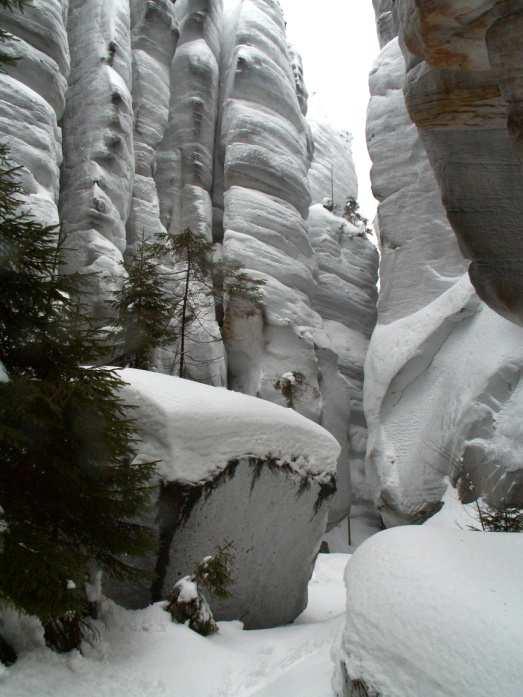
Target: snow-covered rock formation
[271,469]
[32,100]
[464,91]
[432,612]
[443,371]
[310,328]
[345,298]
[192,115]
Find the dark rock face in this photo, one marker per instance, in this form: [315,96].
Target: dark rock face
[274,520]
[464,91]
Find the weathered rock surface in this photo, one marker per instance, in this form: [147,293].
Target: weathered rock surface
[98,170]
[420,255]
[443,370]
[345,298]
[272,471]
[32,100]
[464,91]
[192,115]
[154,38]
[276,165]
[386,20]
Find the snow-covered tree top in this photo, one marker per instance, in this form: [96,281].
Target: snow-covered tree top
[197,430]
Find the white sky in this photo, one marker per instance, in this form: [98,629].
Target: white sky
[337,40]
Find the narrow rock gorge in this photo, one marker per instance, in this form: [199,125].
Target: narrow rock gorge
[292,424]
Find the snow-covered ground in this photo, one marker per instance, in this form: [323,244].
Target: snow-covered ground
[143,654]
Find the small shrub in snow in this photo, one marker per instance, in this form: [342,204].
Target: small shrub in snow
[328,204]
[353,215]
[500,519]
[288,384]
[188,603]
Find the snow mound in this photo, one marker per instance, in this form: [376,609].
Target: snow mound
[144,654]
[196,430]
[434,613]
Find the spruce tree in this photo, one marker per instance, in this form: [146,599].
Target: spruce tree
[69,488]
[204,276]
[145,306]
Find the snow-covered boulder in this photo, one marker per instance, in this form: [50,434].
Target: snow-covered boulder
[435,613]
[232,468]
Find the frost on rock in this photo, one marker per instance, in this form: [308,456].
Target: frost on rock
[443,371]
[222,451]
[417,625]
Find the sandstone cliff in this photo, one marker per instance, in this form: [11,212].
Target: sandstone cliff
[131,118]
[443,371]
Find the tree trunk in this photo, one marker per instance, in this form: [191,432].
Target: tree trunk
[184,315]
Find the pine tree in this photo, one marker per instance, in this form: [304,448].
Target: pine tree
[145,306]
[194,254]
[203,276]
[69,488]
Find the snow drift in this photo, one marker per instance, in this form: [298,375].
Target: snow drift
[433,612]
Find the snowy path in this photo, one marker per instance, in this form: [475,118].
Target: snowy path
[142,654]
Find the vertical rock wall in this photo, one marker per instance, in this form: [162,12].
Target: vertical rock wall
[443,372]
[464,90]
[154,37]
[192,115]
[345,295]
[266,200]
[32,100]
[98,171]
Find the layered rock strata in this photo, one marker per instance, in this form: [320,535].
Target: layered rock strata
[464,90]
